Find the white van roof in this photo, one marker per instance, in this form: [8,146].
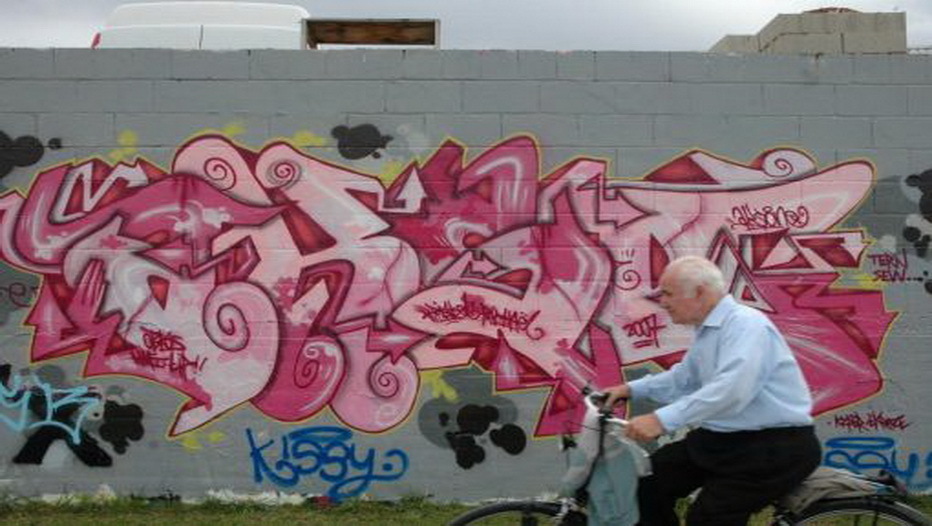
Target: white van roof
[204,25]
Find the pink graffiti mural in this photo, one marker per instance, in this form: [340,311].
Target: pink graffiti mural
[275,278]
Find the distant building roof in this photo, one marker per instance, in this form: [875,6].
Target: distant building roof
[827,30]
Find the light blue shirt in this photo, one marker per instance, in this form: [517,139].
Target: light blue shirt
[739,374]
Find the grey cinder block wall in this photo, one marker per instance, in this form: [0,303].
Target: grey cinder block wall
[383,273]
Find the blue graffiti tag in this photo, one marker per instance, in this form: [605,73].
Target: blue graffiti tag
[325,451]
[868,454]
[49,401]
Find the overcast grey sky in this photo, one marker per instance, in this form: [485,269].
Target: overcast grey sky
[659,25]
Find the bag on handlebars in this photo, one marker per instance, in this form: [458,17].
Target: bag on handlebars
[607,471]
[610,484]
[831,483]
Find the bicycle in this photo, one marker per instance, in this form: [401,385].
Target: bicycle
[884,506]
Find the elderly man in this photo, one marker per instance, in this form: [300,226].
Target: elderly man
[741,389]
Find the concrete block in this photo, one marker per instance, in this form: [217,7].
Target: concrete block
[903,132]
[747,135]
[560,130]
[726,99]
[217,65]
[338,96]
[892,69]
[835,132]
[616,130]
[874,42]
[122,64]
[469,129]
[740,44]
[173,129]
[423,96]
[18,124]
[502,97]
[554,158]
[268,96]
[38,95]
[636,162]
[577,97]
[780,25]
[889,22]
[307,128]
[498,64]
[798,99]
[286,64]
[363,63]
[576,65]
[23,63]
[421,64]
[872,100]
[690,131]
[113,95]
[634,66]
[645,98]
[822,22]
[79,129]
[919,160]
[534,64]
[710,67]
[805,44]
[888,162]
[461,64]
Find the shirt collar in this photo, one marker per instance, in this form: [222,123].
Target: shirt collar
[718,313]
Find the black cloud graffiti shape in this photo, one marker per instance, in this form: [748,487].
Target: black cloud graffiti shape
[473,421]
[359,141]
[122,423]
[915,236]
[23,151]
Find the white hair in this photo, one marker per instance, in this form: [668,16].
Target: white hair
[694,271]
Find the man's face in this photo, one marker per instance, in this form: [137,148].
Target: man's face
[683,305]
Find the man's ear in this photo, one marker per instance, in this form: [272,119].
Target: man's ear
[701,292]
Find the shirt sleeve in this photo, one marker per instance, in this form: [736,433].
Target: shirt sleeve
[743,361]
[667,386]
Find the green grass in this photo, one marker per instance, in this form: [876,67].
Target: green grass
[411,511]
[133,512]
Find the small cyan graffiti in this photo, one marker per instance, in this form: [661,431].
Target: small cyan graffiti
[325,452]
[32,403]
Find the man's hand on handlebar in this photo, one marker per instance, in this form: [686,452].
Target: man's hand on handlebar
[616,393]
[644,428]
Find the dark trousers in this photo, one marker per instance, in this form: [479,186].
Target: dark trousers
[739,473]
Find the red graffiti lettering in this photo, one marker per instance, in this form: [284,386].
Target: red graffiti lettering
[474,309]
[891,266]
[647,328]
[165,350]
[768,217]
[872,421]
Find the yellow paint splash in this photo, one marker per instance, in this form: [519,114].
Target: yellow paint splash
[439,387]
[391,170]
[866,281]
[127,139]
[194,441]
[191,443]
[234,128]
[306,139]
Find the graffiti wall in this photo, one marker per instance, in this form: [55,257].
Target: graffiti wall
[408,298]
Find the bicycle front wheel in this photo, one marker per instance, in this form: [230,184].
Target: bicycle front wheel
[861,512]
[518,513]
